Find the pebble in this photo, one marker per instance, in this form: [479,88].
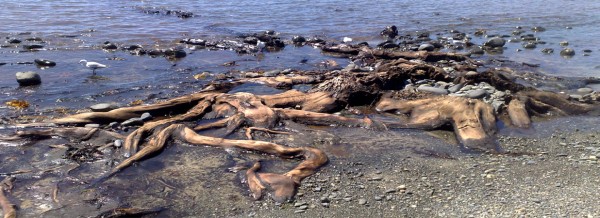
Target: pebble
[433,90]
[298,39]
[471,73]
[564,43]
[548,50]
[495,42]
[118,143]
[14,41]
[146,117]
[376,178]
[347,199]
[44,63]
[456,88]
[92,125]
[362,201]
[33,46]
[103,107]
[299,211]
[390,191]
[113,125]
[476,50]
[28,78]
[585,90]
[132,122]
[272,73]
[529,45]
[478,93]
[426,47]
[378,198]
[567,52]
[317,189]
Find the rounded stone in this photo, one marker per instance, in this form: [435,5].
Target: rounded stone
[44,62]
[33,46]
[146,117]
[28,78]
[585,90]
[433,90]
[476,50]
[495,42]
[529,45]
[477,93]
[564,43]
[567,52]
[548,50]
[426,47]
[103,107]
[175,53]
[14,41]
[298,39]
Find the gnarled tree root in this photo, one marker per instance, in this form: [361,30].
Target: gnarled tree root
[7,208]
[474,121]
[283,186]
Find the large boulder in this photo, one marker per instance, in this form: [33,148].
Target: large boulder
[495,42]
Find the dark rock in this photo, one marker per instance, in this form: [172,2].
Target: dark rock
[517,32]
[298,39]
[109,46]
[564,43]
[476,50]
[514,40]
[538,29]
[28,78]
[567,52]
[175,53]
[315,40]
[251,40]
[200,42]
[33,46]
[479,32]
[587,51]
[14,41]
[529,38]
[156,52]
[34,39]
[529,45]
[548,50]
[458,36]
[495,42]
[44,63]
[426,47]
[389,32]
[387,44]
[133,47]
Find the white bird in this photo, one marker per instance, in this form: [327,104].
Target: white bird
[93,65]
[261,45]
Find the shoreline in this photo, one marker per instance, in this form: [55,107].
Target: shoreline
[361,179]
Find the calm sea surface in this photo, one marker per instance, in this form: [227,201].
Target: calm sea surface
[65,26]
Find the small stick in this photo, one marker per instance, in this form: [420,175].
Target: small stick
[250,129]
[55,194]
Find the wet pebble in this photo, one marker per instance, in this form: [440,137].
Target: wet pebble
[426,47]
[434,90]
[495,42]
[478,93]
[476,50]
[548,50]
[103,107]
[14,41]
[92,125]
[567,52]
[28,78]
[44,62]
[564,43]
[146,117]
[529,45]
[33,46]
[133,122]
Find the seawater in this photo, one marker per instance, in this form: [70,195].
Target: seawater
[72,27]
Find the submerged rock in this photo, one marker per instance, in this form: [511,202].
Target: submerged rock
[33,46]
[529,45]
[567,52]
[44,63]
[389,32]
[476,50]
[495,42]
[548,50]
[28,78]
